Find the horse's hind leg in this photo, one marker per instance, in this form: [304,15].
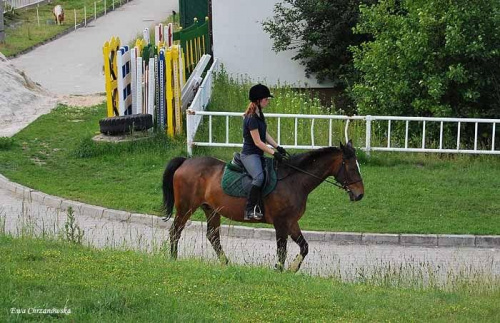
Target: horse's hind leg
[180,220]
[299,239]
[213,232]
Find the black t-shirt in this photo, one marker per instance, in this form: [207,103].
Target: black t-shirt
[252,122]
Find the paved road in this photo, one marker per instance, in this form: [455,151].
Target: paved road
[73,63]
[349,262]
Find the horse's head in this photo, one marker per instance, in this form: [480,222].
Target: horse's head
[349,174]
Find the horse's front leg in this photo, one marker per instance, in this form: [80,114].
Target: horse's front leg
[213,232]
[281,241]
[299,239]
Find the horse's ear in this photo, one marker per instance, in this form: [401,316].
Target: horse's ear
[341,146]
[349,143]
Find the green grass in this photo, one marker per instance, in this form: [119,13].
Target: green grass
[404,193]
[23,32]
[128,286]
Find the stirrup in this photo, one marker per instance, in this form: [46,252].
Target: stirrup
[257,213]
[247,216]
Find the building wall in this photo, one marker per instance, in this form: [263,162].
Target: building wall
[244,48]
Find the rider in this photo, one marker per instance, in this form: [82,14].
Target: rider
[255,137]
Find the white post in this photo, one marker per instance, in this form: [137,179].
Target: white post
[368,137]
[345,130]
[37,15]
[330,133]
[227,129]
[389,135]
[279,131]
[85,15]
[406,135]
[74,11]
[441,136]
[188,131]
[475,136]
[133,70]
[113,5]
[312,133]
[95,11]
[423,136]
[296,127]
[493,137]
[104,7]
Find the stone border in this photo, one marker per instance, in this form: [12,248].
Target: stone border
[421,240]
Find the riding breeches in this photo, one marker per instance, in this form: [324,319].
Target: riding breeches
[253,165]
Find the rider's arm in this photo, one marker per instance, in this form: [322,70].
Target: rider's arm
[256,140]
[270,140]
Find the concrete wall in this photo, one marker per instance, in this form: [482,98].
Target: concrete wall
[244,48]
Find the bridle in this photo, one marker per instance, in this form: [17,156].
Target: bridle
[343,185]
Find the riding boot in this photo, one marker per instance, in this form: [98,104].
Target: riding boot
[252,209]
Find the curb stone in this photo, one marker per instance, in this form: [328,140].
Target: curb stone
[422,240]
[379,238]
[428,240]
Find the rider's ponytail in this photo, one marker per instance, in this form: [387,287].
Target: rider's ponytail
[251,109]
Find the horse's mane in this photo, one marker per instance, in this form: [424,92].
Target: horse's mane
[306,158]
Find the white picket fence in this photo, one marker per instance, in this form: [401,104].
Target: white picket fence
[18,4]
[384,125]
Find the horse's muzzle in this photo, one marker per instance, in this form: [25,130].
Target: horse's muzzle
[354,197]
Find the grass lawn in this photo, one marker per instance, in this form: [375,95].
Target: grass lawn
[404,193]
[128,286]
[23,29]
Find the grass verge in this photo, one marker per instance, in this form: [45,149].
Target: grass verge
[128,286]
[404,193]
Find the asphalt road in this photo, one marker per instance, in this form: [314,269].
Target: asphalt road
[350,262]
[73,63]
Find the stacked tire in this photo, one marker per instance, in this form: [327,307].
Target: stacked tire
[125,124]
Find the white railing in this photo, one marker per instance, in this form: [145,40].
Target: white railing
[376,129]
[477,148]
[18,4]
[194,117]
[199,104]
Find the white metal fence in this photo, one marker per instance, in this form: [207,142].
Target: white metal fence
[379,133]
[427,141]
[198,105]
[18,4]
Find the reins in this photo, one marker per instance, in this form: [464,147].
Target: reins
[342,186]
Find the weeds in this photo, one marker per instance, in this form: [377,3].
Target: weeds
[72,231]
[6,143]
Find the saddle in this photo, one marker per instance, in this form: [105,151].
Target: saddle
[237,182]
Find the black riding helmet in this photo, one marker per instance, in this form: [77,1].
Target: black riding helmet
[258,92]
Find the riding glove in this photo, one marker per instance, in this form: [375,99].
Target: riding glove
[278,156]
[282,151]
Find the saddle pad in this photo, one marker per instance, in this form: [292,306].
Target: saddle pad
[236,182]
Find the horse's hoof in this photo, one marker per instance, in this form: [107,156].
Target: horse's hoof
[223,260]
[279,267]
[295,266]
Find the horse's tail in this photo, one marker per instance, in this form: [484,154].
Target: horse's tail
[168,186]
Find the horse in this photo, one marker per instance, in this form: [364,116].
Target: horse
[58,13]
[196,182]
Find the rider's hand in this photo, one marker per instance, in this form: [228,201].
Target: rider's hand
[282,151]
[278,156]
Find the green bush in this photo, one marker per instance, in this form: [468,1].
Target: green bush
[429,58]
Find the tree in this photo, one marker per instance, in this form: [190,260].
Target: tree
[321,32]
[429,58]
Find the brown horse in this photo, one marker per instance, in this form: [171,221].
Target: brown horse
[191,183]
